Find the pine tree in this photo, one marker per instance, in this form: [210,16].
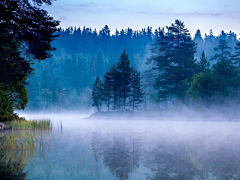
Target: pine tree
[108,85]
[236,60]
[97,96]
[236,56]
[200,43]
[123,66]
[224,71]
[174,59]
[114,81]
[136,88]
[204,64]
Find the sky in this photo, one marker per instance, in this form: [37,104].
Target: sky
[137,14]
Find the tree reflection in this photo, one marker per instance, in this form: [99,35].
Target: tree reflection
[167,158]
[168,162]
[191,160]
[120,152]
[16,149]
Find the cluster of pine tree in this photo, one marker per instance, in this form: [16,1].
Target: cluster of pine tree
[177,77]
[121,88]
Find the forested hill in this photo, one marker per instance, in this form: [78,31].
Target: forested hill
[65,80]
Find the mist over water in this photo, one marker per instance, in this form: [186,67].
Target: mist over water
[136,149]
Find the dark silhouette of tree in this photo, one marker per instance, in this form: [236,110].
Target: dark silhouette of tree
[174,59]
[136,90]
[223,70]
[97,95]
[26,33]
[123,66]
[204,65]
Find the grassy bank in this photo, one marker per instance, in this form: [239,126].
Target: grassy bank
[44,124]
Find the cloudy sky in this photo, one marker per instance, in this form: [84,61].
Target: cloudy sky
[137,14]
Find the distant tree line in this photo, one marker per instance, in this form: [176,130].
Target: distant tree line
[121,88]
[66,79]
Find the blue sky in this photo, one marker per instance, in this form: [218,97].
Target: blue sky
[196,14]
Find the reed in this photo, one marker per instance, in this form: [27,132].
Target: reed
[16,141]
[16,148]
[44,124]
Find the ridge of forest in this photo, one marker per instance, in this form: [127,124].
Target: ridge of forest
[66,79]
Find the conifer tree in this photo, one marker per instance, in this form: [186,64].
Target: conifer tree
[236,60]
[174,59]
[97,96]
[224,71]
[200,43]
[136,88]
[123,66]
[236,56]
[204,64]
[108,85]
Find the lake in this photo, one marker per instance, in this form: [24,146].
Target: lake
[135,149]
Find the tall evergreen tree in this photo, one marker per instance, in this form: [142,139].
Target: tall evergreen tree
[174,59]
[136,90]
[115,77]
[97,96]
[236,60]
[204,64]
[123,66]
[108,86]
[224,71]
[200,43]
[236,56]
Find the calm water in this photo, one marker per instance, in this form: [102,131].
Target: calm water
[121,149]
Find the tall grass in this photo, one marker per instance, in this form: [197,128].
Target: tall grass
[16,148]
[17,142]
[32,125]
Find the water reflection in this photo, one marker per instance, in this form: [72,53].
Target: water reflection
[120,152]
[168,156]
[17,148]
[134,150]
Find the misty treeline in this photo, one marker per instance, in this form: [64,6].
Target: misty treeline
[180,69]
[121,88]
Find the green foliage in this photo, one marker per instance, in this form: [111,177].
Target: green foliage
[32,125]
[202,88]
[12,97]
[26,33]
[173,59]
[23,39]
